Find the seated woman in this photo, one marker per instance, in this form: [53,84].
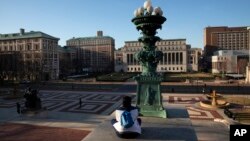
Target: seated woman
[134,129]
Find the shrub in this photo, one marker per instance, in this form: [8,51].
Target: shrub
[115,77]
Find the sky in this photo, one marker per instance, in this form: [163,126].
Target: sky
[82,18]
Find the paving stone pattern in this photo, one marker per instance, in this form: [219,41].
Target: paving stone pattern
[69,102]
[195,112]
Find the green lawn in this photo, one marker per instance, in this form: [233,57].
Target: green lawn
[168,77]
[181,77]
[115,77]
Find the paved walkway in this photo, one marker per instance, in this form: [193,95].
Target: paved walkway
[176,127]
[186,121]
[26,132]
[64,110]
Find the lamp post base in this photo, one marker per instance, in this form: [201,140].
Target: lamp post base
[151,112]
[149,98]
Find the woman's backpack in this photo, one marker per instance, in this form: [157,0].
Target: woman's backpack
[126,119]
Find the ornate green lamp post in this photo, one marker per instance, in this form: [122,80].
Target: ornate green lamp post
[149,99]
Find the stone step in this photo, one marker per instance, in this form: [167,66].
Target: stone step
[176,127]
[152,129]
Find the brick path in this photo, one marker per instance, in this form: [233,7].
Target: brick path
[24,132]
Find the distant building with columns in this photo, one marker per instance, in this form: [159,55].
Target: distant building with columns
[175,56]
[194,56]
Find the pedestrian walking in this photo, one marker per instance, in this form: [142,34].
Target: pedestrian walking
[80,102]
[18,108]
[203,91]
[172,90]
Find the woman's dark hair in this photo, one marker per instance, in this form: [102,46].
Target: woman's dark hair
[126,101]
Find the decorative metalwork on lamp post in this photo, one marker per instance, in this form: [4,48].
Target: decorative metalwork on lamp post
[149,100]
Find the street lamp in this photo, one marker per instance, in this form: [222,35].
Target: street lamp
[149,100]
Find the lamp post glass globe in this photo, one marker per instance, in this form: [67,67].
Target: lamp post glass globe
[150,9]
[147,4]
[140,11]
[136,13]
[158,11]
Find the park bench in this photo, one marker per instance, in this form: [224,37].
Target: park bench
[241,116]
[237,116]
[228,113]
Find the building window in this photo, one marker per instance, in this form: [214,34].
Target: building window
[169,58]
[173,58]
[28,56]
[128,59]
[37,55]
[28,47]
[36,47]
[181,58]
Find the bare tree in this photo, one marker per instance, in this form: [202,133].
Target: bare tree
[10,62]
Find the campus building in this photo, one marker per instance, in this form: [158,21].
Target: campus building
[230,61]
[94,54]
[175,56]
[38,53]
[118,54]
[194,56]
[225,38]
[67,58]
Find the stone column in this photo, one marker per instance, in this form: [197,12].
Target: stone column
[248,74]
[170,58]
